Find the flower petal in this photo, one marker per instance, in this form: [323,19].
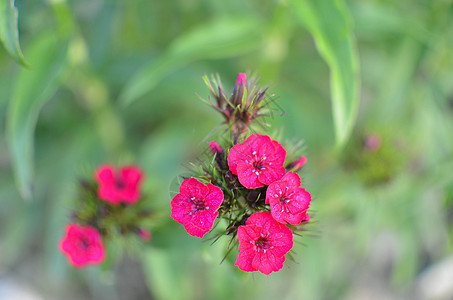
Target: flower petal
[271,174]
[131,175]
[293,179]
[107,190]
[180,207]
[276,190]
[282,240]
[193,188]
[247,176]
[246,236]
[240,153]
[105,175]
[267,262]
[109,193]
[279,155]
[214,198]
[200,223]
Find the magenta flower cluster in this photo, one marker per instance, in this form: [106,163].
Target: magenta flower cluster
[248,184]
[265,239]
[83,244]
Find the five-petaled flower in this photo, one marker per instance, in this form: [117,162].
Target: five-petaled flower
[196,205]
[288,202]
[263,244]
[82,245]
[116,186]
[258,161]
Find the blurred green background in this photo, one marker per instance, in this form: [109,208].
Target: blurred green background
[115,81]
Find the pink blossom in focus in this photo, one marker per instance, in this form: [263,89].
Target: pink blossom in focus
[263,244]
[196,205]
[82,245]
[117,186]
[288,202]
[258,161]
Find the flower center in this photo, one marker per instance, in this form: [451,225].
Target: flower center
[197,205]
[83,244]
[257,162]
[285,199]
[263,243]
[258,165]
[119,182]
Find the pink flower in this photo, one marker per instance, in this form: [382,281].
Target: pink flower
[196,205]
[82,245]
[373,142]
[258,161]
[119,186]
[242,79]
[300,162]
[306,219]
[215,147]
[296,165]
[263,244]
[289,203]
[144,234]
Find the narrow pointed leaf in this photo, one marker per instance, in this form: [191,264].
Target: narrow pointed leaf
[329,24]
[33,88]
[9,33]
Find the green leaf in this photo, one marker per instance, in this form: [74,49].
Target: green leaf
[329,24]
[213,40]
[32,89]
[9,34]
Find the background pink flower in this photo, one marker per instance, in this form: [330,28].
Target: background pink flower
[144,234]
[258,161]
[117,186]
[196,205]
[263,244]
[82,245]
[289,203]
